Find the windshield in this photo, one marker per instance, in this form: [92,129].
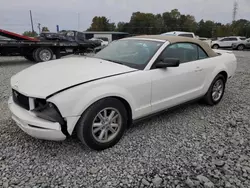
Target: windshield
[131,52]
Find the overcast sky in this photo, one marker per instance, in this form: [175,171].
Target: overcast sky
[14,14]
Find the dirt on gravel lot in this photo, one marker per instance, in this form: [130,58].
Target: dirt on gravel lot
[192,146]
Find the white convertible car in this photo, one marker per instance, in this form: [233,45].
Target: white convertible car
[132,78]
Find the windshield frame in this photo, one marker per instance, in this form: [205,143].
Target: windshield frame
[134,65]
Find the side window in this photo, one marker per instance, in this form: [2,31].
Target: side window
[202,54]
[233,39]
[185,52]
[225,39]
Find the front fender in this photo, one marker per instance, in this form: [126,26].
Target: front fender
[75,101]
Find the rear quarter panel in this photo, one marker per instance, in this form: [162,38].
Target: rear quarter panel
[226,61]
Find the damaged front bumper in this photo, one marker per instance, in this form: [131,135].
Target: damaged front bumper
[35,126]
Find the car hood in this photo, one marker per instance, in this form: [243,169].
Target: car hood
[47,78]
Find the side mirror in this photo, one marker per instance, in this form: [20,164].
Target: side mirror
[168,62]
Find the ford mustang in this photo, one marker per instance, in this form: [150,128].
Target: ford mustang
[99,97]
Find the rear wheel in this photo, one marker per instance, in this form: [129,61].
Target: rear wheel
[215,46]
[216,90]
[103,124]
[43,54]
[240,47]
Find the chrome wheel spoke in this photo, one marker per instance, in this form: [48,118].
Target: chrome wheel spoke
[111,115]
[97,129]
[112,129]
[101,117]
[114,118]
[102,134]
[106,135]
[105,114]
[106,125]
[114,125]
[97,125]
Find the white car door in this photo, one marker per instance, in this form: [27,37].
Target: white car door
[231,41]
[175,85]
[225,42]
[228,41]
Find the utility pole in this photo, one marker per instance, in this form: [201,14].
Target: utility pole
[235,9]
[31,20]
[78,21]
[39,27]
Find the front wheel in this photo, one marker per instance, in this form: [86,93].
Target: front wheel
[215,46]
[216,90]
[103,124]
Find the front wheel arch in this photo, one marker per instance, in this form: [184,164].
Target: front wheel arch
[224,74]
[216,45]
[123,101]
[207,97]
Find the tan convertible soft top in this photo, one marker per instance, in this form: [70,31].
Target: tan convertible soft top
[177,39]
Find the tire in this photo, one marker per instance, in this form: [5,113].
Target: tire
[240,47]
[89,134]
[29,57]
[208,98]
[43,54]
[215,46]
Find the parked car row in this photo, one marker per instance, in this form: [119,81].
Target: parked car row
[234,42]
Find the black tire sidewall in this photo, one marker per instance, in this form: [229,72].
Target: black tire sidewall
[238,48]
[215,45]
[209,99]
[84,125]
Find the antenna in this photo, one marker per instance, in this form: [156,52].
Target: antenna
[235,9]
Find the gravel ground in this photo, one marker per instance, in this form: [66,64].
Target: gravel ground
[192,146]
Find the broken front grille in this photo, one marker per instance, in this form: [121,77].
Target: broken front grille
[20,99]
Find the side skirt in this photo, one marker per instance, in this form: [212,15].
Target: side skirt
[135,121]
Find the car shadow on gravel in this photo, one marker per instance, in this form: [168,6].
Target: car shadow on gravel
[15,62]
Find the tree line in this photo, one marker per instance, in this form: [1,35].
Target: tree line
[34,33]
[148,23]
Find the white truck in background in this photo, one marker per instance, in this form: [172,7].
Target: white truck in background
[188,34]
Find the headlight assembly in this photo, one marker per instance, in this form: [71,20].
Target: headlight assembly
[49,112]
